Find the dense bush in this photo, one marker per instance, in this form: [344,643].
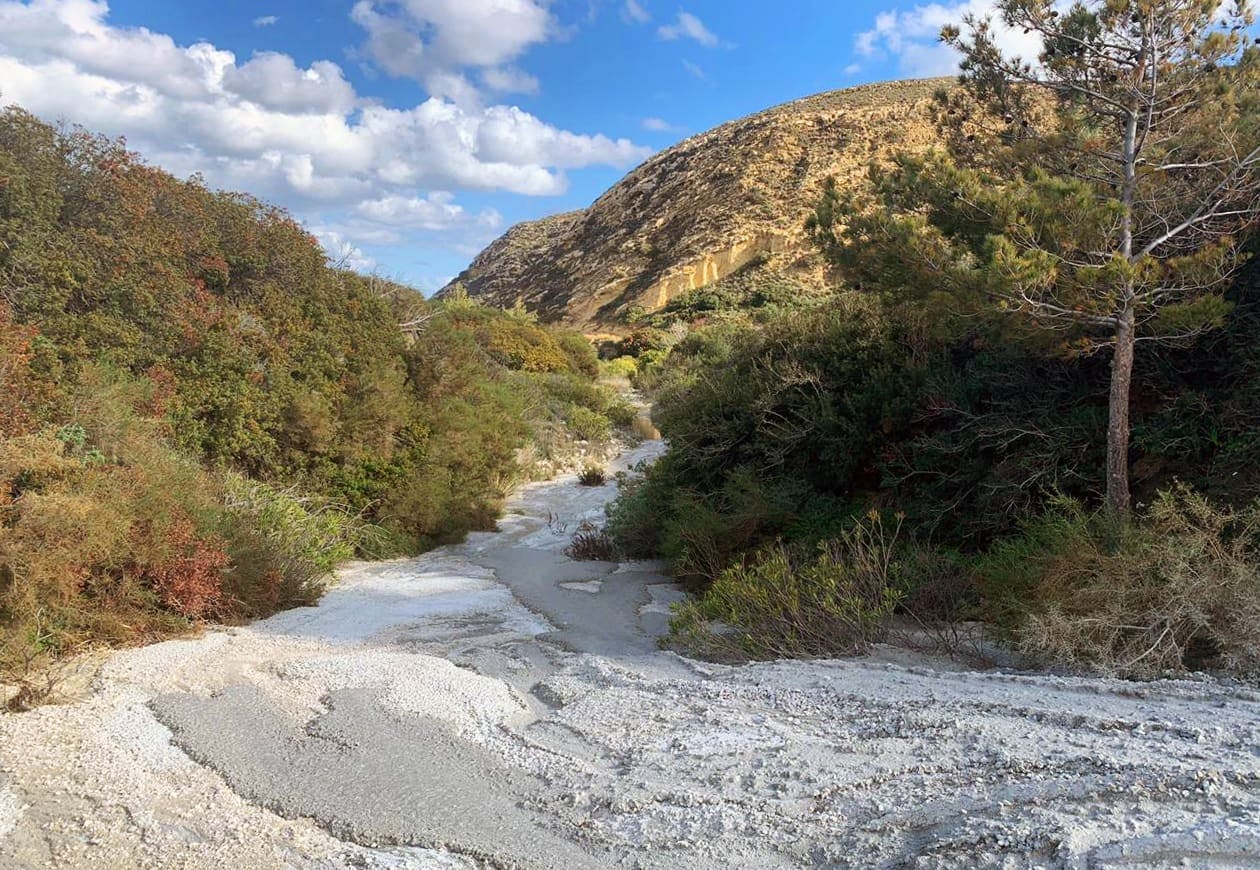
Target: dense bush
[755,292]
[200,417]
[1180,590]
[636,517]
[621,367]
[582,357]
[790,425]
[588,425]
[771,432]
[109,534]
[284,547]
[621,414]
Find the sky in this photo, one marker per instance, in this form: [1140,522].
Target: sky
[407,134]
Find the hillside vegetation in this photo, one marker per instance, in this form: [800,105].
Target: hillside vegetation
[200,416]
[928,444]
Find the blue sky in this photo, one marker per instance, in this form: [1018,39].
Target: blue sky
[408,133]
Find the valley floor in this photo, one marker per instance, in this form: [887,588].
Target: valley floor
[496,704]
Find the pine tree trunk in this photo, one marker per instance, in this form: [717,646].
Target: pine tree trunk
[1118,499]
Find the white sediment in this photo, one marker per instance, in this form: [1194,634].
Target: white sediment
[496,702]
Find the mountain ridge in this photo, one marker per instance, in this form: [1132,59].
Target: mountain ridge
[730,198]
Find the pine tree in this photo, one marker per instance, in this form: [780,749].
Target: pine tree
[1132,150]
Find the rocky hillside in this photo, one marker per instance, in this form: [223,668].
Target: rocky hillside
[734,197]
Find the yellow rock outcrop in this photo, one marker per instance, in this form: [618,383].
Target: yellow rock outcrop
[701,210]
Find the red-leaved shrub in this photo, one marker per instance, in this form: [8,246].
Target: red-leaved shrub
[190,581]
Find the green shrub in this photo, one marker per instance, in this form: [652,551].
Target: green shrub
[621,367]
[588,425]
[644,339]
[1178,590]
[752,288]
[780,604]
[638,515]
[166,349]
[570,390]
[285,548]
[621,414]
[815,397]
[523,346]
[705,534]
[651,371]
[580,352]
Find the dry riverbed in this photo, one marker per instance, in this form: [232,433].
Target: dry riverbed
[496,704]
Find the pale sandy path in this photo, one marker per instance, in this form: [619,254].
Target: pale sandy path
[494,703]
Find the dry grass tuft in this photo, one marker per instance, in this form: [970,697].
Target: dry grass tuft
[592,475]
[592,544]
[1179,590]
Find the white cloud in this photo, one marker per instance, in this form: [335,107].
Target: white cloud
[395,218]
[688,26]
[660,125]
[912,37]
[695,69]
[436,212]
[298,136]
[506,133]
[509,80]
[265,20]
[633,11]
[74,32]
[274,81]
[852,69]
[434,41]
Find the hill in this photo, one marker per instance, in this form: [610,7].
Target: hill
[703,209]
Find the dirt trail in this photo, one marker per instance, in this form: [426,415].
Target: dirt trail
[495,704]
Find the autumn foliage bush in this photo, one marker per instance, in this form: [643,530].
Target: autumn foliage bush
[110,535]
[189,579]
[200,417]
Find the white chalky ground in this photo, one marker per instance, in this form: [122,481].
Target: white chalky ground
[495,704]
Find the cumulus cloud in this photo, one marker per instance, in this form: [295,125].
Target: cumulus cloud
[911,37]
[437,212]
[434,41]
[265,20]
[300,136]
[509,80]
[394,218]
[274,81]
[688,26]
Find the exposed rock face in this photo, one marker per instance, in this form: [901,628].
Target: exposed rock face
[702,209]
